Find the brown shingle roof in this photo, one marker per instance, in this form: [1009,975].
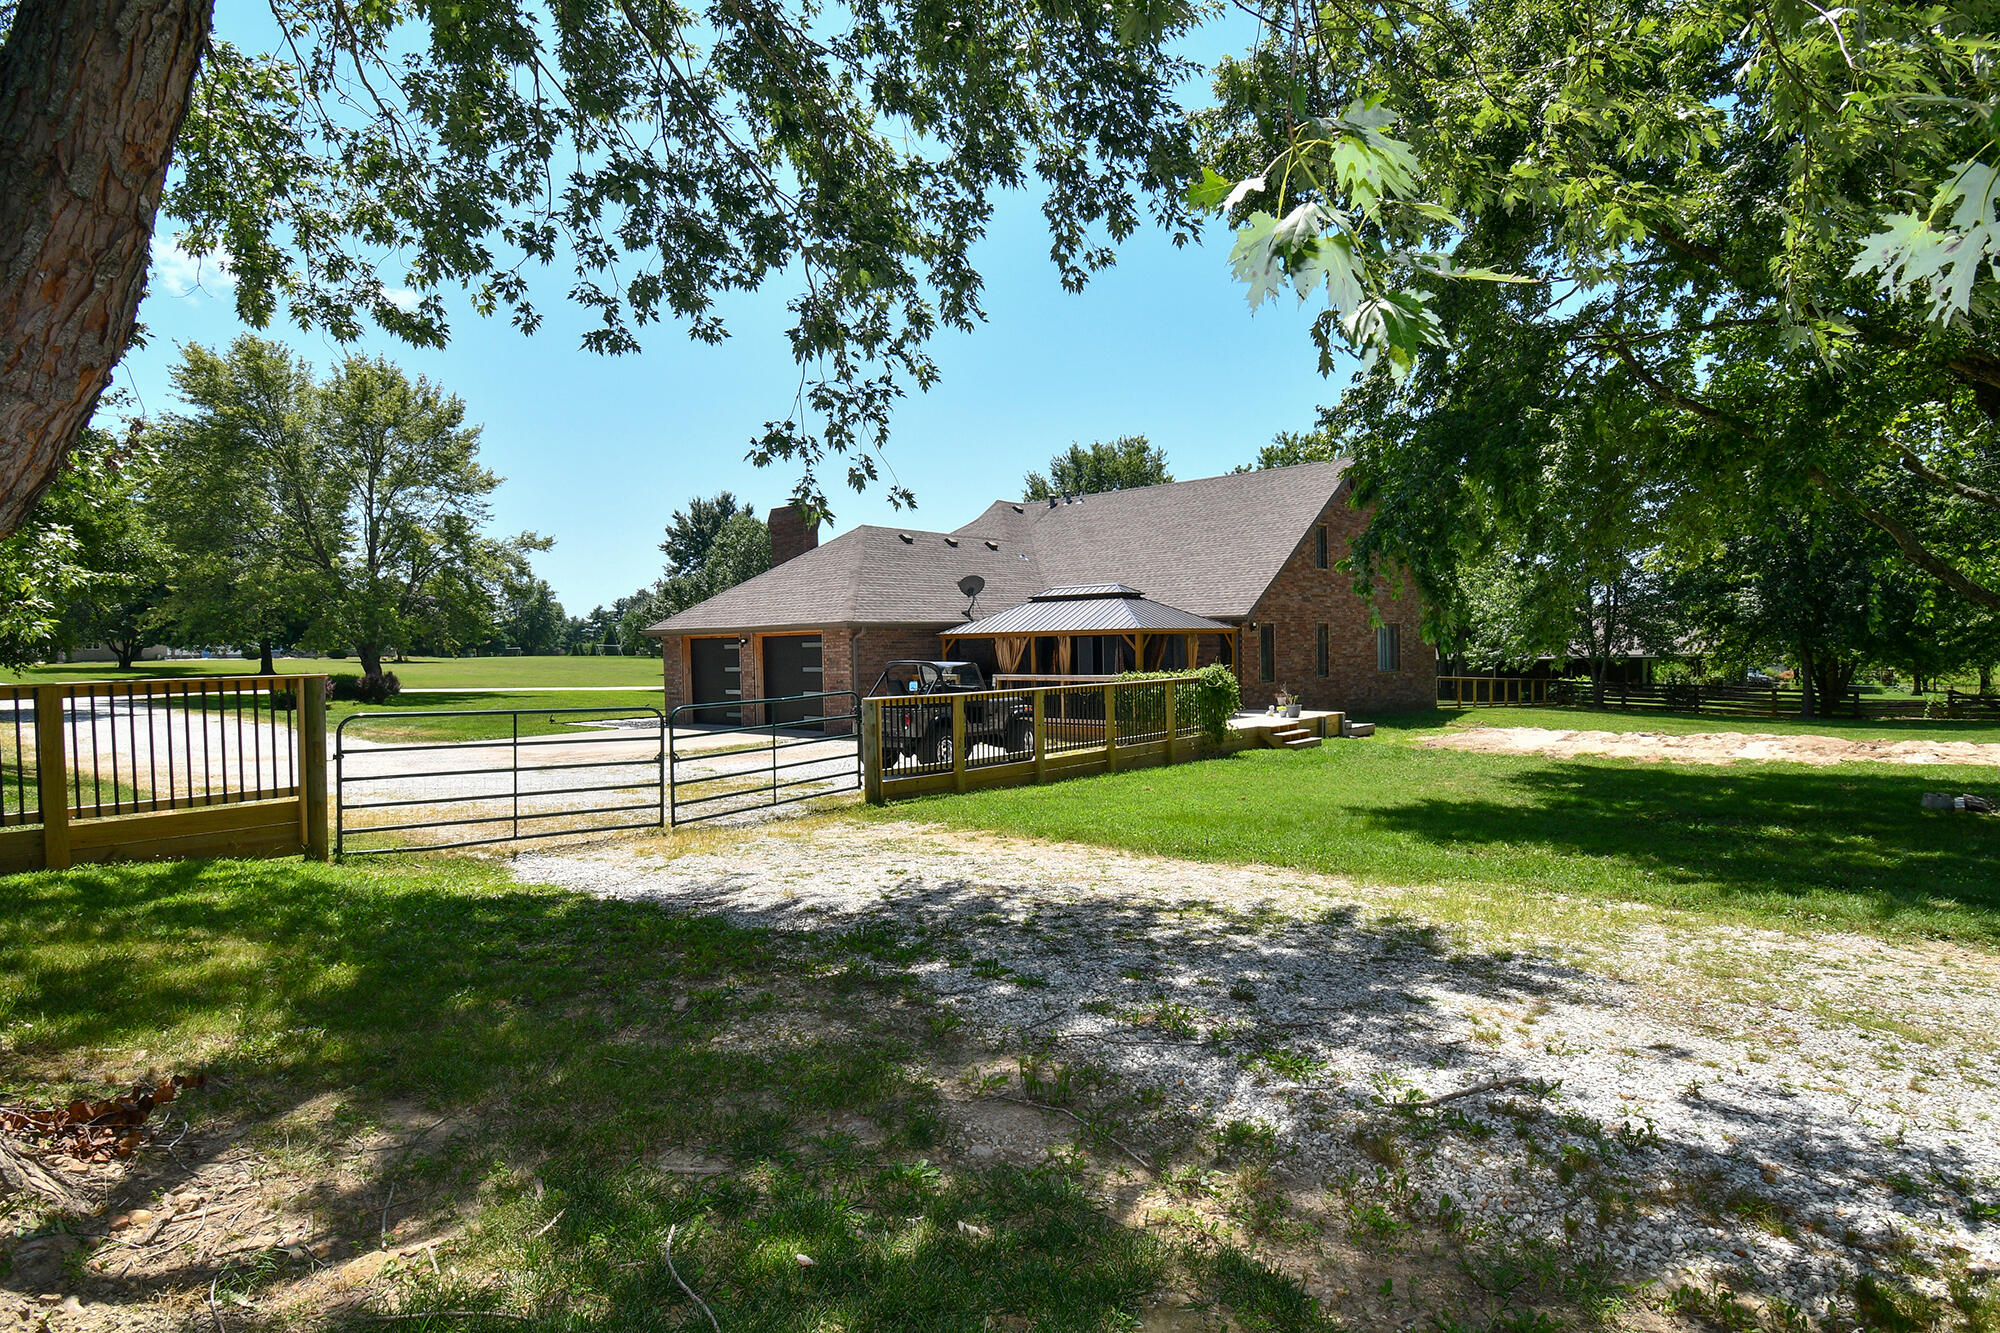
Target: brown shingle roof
[1210,546]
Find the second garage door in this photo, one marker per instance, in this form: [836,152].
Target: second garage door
[791,667]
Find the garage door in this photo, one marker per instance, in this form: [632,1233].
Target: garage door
[791,667]
[717,675]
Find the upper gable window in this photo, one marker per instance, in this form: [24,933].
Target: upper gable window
[1319,547]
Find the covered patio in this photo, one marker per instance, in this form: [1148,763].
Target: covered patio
[1091,631]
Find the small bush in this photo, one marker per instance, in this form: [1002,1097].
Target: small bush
[1214,697]
[377,687]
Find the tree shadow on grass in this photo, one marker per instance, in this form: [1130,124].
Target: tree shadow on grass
[1841,843]
[572,1044]
[577,1041]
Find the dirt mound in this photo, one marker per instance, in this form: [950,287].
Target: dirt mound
[1713,747]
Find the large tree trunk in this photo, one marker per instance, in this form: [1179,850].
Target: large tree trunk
[92,95]
[265,666]
[371,658]
[1806,680]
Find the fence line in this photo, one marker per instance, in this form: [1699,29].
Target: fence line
[1716,700]
[106,770]
[1009,737]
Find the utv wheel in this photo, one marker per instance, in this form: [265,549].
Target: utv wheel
[1020,736]
[937,747]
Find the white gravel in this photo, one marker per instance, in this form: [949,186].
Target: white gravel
[1780,1112]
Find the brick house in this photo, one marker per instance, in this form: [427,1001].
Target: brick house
[1255,553]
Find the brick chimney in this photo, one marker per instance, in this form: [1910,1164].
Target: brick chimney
[791,535]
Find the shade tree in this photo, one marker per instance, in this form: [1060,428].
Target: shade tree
[368,160]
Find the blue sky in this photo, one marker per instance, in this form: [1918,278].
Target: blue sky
[598,451]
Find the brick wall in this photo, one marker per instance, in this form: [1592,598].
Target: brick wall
[1302,598]
[849,660]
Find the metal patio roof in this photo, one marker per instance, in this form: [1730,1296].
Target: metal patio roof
[1073,611]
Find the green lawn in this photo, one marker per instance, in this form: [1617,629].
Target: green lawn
[1841,846]
[1682,724]
[595,1072]
[537,717]
[421,672]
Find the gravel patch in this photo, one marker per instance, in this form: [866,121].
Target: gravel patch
[1695,1104]
[1717,747]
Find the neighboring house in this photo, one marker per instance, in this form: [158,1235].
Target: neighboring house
[1238,569]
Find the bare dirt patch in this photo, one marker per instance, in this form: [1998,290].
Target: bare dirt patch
[1720,747]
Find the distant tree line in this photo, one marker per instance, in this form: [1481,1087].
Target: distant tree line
[275,511]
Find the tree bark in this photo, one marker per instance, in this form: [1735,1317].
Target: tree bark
[265,667]
[371,658]
[1986,679]
[1806,680]
[92,96]
[21,1176]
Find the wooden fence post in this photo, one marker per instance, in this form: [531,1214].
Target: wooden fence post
[1110,727]
[52,775]
[871,751]
[312,765]
[1173,731]
[958,742]
[1041,735]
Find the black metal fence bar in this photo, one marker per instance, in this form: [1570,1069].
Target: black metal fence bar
[20,780]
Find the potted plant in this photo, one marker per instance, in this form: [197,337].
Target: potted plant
[1288,703]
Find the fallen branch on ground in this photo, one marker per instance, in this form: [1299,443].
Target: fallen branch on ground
[1491,1085]
[1063,1110]
[683,1285]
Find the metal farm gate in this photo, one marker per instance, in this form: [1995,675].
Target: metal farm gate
[603,772]
[480,776]
[780,751]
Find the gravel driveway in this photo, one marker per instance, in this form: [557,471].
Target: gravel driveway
[1696,1104]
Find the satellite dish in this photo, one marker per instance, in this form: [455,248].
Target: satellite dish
[971,585]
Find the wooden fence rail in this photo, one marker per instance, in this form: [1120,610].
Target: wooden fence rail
[1712,700]
[1012,737]
[152,769]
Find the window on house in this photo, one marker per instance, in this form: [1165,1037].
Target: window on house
[1267,652]
[1319,550]
[1321,655]
[1389,648]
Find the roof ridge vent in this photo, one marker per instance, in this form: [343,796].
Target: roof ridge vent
[906,538]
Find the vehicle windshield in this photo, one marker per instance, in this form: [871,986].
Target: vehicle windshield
[924,677]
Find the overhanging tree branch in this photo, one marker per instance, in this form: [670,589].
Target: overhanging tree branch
[1906,541]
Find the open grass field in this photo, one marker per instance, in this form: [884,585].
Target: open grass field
[1843,846]
[538,717]
[417,673]
[432,1089]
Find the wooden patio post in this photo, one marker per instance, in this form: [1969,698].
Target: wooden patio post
[312,765]
[52,775]
[1173,732]
[871,751]
[1041,735]
[1110,727]
[958,742]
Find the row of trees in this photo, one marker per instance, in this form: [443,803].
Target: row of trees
[276,510]
[1610,565]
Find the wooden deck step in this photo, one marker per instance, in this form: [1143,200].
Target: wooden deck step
[1294,738]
